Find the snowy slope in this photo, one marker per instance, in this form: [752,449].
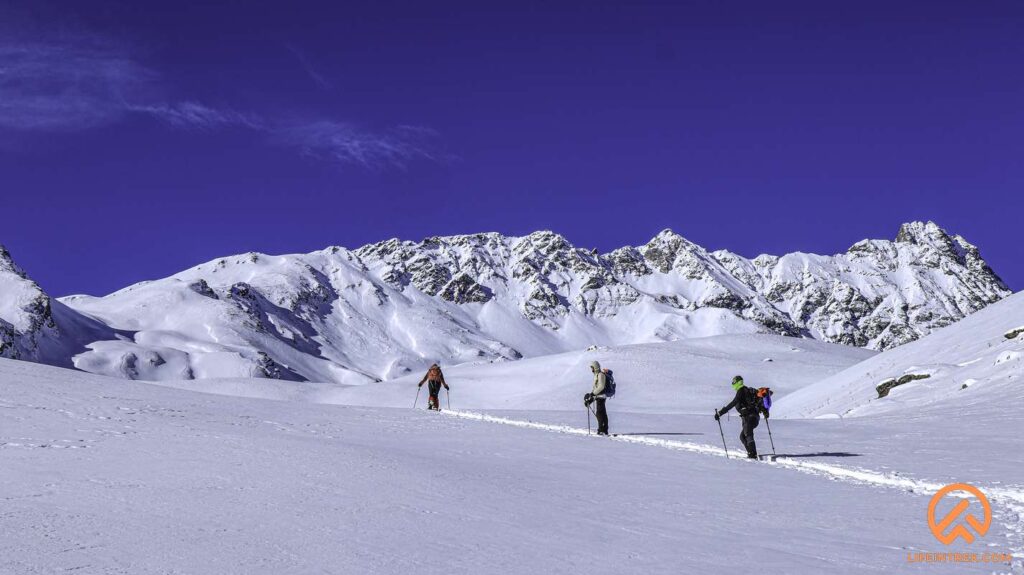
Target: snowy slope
[671,389]
[110,476]
[35,327]
[689,376]
[388,309]
[303,317]
[976,363]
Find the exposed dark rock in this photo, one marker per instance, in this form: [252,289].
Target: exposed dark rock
[463,289]
[202,288]
[885,387]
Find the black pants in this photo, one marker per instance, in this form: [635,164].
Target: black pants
[602,417]
[434,387]
[747,435]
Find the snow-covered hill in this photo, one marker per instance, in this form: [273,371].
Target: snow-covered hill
[977,363]
[388,309]
[109,476]
[688,376]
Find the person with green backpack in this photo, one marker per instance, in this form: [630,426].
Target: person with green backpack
[750,404]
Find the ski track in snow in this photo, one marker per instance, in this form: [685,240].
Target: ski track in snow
[1010,502]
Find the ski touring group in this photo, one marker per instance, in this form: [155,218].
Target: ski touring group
[750,403]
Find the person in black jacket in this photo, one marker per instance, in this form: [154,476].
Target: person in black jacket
[750,408]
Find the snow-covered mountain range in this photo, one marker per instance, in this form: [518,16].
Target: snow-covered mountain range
[377,312]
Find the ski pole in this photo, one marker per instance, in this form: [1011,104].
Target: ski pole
[770,438]
[587,407]
[418,389]
[448,396]
[723,434]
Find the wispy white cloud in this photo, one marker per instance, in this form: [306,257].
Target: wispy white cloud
[348,144]
[67,86]
[193,115]
[85,83]
[317,78]
[322,139]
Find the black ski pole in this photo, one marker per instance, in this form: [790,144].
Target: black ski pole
[718,419]
[770,438]
[417,397]
[587,407]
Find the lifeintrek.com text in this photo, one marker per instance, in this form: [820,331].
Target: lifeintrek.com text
[959,557]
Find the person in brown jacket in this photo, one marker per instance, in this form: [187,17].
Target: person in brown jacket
[434,380]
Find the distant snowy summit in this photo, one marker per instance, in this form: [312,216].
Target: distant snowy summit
[377,312]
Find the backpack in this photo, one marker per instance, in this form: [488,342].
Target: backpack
[755,401]
[748,403]
[609,383]
[434,373]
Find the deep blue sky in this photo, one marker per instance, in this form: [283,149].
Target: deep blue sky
[141,138]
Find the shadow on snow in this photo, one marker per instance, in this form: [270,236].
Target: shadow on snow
[820,454]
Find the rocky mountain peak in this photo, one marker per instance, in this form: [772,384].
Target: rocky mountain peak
[7,263]
[667,237]
[938,249]
[544,241]
[26,316]
[669,250]
[923,233]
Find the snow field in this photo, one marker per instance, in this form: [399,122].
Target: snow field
[168,480]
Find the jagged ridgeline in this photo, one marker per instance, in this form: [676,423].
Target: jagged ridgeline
[377,312]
